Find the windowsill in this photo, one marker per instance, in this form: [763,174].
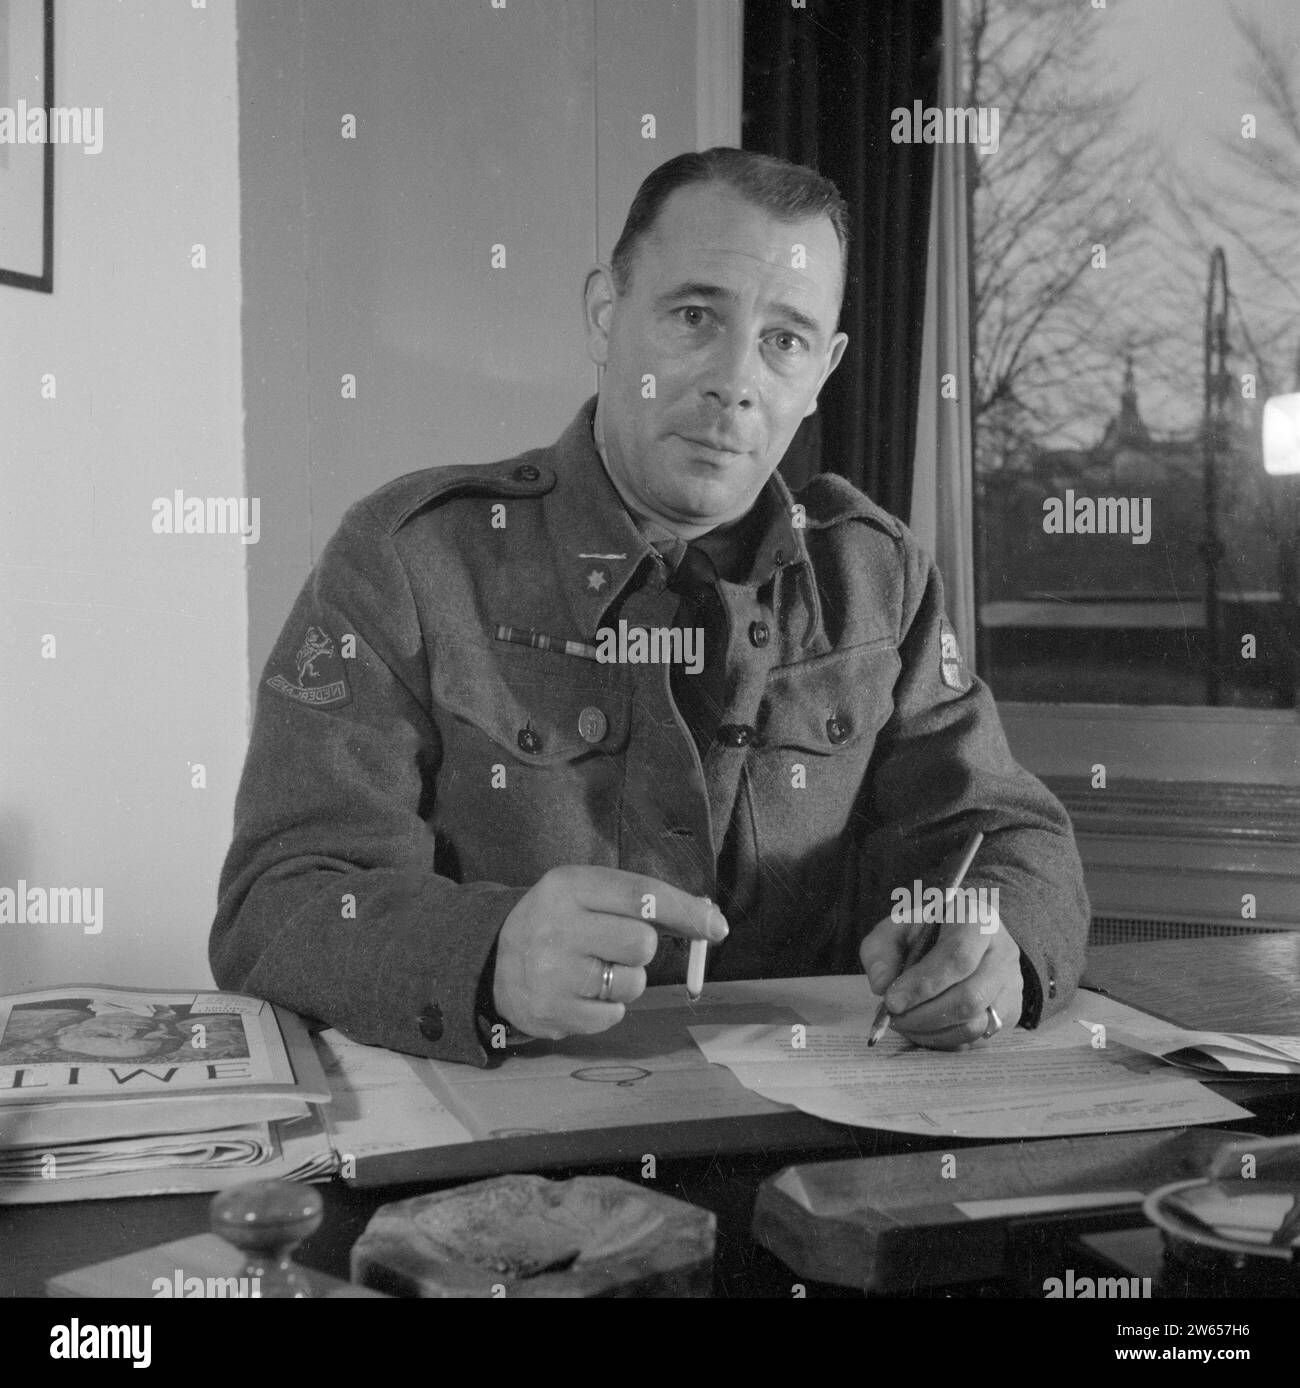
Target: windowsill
[1200,810]
[1257,747]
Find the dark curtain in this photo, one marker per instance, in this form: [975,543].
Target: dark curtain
[819,86]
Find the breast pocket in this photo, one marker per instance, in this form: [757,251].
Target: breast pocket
[831,705]
[817,730]
[531,769]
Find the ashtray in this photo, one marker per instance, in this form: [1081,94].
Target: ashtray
[1243,1233]
[524,1235]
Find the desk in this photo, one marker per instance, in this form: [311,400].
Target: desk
[1252,982]
[1219,984]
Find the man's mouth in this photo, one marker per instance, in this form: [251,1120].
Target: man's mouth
[723,447]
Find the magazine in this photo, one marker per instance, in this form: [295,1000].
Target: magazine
[91,1043]
[97,1079]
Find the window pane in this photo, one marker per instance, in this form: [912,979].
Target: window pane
[1135,301]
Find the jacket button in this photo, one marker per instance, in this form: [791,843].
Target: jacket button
[779,558]
[1051,985]
[592,724]
[736,735]
[430,1022]
[837,729]
[759,634]
[529,741]
[526,472]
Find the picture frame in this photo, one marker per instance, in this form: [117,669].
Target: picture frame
[26,170]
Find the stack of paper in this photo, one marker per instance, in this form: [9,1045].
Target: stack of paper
[107,1092]
[1219,1053]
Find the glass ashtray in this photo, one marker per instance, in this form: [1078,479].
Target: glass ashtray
[1247,1229]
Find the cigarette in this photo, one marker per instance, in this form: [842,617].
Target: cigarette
[695,968]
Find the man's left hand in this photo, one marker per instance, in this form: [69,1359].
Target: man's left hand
[947,999]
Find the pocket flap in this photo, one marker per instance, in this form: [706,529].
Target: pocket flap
[540,707]
[829,704]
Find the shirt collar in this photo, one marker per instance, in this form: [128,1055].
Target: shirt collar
[596,546]
[600,545]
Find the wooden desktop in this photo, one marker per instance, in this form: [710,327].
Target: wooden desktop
[1251,982]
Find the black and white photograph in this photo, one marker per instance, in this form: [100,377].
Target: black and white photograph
[696,605]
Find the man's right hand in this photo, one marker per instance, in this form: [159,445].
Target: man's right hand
[555,944]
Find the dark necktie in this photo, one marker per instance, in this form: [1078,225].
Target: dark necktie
[701,698]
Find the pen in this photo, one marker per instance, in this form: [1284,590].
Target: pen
[954,869]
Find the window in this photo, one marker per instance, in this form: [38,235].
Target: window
[1135,301]
[1136,291]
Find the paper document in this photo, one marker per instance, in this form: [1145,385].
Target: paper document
[655,1067]
[378,1103]
[1240,1053]
[645,1070]
[1049,1082]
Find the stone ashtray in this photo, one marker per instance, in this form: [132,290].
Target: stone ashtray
[527,1236]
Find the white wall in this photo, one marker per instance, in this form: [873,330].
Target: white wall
[149,673]
[476,125]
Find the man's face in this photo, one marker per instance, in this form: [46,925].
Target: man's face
[732,314]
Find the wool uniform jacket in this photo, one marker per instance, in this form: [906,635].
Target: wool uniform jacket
[433,733]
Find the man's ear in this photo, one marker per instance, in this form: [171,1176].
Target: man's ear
[598,311]
[838,343]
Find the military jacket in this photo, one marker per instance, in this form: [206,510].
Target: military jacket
[434,731]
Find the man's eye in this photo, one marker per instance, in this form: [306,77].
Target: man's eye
[788,344]
[693,315]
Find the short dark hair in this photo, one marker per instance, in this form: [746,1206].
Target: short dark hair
[788,192]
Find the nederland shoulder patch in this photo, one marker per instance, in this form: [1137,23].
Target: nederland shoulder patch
[318,678]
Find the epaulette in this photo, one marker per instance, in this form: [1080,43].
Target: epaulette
[397,501]
[828,499]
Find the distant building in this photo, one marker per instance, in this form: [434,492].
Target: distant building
[1022,561]
[1098,618]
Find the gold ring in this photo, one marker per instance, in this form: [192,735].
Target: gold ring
[606,984]
[994,1026]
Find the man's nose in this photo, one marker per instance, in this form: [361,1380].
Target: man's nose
[730,378]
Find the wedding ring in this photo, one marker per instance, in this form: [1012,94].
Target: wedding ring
[994,1026]
[607,985]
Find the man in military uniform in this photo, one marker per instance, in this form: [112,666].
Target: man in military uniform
[460,823]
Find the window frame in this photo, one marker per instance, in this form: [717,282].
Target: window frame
[1162,742]
[1196,759]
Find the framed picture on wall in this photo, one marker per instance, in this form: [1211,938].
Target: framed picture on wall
[26,151]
